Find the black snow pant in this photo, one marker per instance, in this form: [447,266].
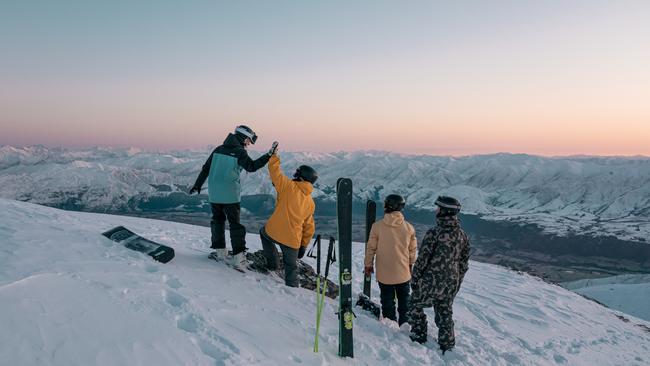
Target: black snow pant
[289,258]
[443,317]
[388,293]
[229,211]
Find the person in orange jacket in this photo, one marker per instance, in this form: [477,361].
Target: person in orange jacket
[291,226]
[392,245]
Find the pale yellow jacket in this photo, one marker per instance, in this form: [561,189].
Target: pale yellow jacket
[392,241]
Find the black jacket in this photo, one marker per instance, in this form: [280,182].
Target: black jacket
[232,146]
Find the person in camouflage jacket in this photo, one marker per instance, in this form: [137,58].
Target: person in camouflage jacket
[442,262]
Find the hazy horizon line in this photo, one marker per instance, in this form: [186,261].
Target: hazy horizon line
[210,147]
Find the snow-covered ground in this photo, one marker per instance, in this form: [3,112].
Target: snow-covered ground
[69,296]
[579,195]
[628,293]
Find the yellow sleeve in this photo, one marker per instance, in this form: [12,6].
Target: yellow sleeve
[371,247]
[278,179]
[308,229]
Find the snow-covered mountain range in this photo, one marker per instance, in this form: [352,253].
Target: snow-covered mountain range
[582,195]
[69,296]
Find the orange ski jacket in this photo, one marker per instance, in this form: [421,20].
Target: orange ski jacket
[292,221]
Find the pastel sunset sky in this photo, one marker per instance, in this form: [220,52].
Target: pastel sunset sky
[552,77]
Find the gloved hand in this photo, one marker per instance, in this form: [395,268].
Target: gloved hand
[301,252]
[368,270]
[274,148]
[195,189]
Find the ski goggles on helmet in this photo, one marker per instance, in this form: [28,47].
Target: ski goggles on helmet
[448,203]
[247,132]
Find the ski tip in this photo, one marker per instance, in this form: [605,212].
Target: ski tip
[342,182]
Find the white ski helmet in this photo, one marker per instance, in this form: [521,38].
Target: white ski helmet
[246,132]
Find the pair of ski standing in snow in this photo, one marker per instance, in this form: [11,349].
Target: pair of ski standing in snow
[434,277]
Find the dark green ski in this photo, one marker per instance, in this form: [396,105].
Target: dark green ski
[371,216]
[364,300]
[344,223]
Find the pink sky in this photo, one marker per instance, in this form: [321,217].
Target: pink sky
[550,78]
[562,121]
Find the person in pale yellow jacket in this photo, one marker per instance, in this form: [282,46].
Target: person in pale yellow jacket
[291,225]
[392,245]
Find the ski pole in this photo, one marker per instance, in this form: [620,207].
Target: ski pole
[330,259]
[317,243]
[318,310]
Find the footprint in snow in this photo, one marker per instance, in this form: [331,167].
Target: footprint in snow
[295,359]
[151,268]
[172,282]
[209,341]
[188,323]
[559,359]
[213,352]
[173,298]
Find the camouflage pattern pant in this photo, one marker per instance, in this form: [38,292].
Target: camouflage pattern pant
[443,319]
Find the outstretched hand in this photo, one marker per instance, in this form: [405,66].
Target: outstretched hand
[195,189]
[274,148]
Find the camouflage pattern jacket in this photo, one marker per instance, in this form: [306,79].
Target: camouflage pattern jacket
[442,262]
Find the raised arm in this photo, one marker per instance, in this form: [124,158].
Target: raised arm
[278,179]
[249,164]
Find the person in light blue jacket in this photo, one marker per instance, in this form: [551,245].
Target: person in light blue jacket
[222,170]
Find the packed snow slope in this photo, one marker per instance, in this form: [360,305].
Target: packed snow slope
[580,195]
[69,296]
[628,293]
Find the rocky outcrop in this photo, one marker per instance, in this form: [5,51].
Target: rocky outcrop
[257,263]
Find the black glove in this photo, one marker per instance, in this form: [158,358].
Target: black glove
[301,252]
[274,148]
[195,189]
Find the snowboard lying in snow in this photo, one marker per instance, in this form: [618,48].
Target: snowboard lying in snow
[131,240]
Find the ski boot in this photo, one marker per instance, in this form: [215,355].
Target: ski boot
[239,261]
[419,338]
[219,255]
[445,349]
